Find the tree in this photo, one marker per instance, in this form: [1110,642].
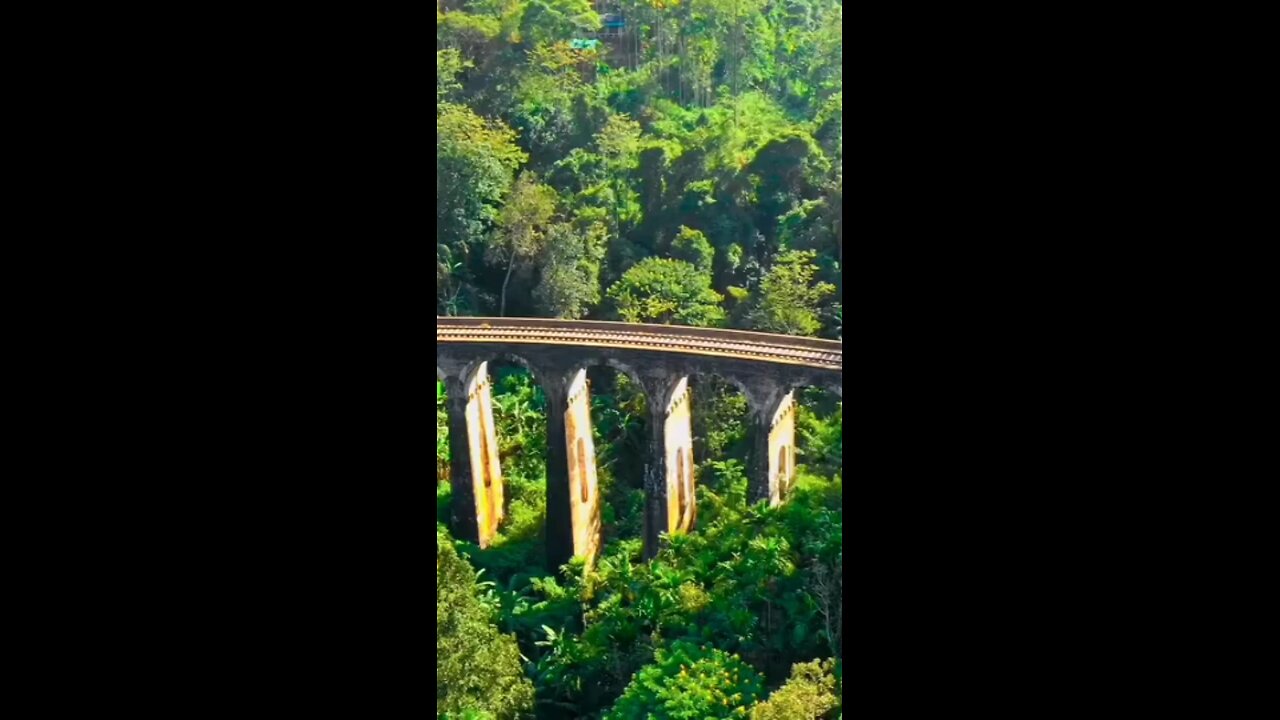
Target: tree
[789,300]
[478,669]
[449,64]
[476,160]
[667,292]
[688,682]
[571,270]
[551,20]
[693,247]
[808,695]
[548,102]
[466,31]
[619,146]
[522,227]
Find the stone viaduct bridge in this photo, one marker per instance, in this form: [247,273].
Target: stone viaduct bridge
[660,359]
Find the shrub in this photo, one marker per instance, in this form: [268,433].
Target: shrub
[688,682]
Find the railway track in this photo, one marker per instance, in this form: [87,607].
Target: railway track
[780,349]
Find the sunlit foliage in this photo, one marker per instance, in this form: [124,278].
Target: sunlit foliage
[668,161]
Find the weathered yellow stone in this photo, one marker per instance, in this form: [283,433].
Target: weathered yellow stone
[486,468]
[782,450]
[681,503]
[584,490]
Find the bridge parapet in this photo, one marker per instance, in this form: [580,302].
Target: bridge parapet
[776,349]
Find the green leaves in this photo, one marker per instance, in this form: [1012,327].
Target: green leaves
[790,299]
[716,123]
[550,20]
[522,229]
[808,695]
[571,270]
[693,247]
[475,162]
[477,669]
[667,292]
[690,682]
[442,436]
[449,64]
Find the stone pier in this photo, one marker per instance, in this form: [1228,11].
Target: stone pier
[782,450]
[476,472]
[584,490]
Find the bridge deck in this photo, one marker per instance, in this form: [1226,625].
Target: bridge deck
[782,349]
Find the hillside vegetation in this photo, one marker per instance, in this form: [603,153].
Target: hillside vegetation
[669,161]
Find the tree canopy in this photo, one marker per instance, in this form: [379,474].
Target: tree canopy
[477,668]
[658,161]
[704,131]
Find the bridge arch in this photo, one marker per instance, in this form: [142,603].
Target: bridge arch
[619,434]
[617,365]
[485,460]
[762,367]
[504,358]
[720,401]
[804,431]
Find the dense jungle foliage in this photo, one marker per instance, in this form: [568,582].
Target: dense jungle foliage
[670,161]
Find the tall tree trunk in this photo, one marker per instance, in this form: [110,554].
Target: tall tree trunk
[502,307]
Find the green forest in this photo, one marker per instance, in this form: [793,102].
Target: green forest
[656,161]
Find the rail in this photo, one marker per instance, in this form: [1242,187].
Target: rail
[761,347]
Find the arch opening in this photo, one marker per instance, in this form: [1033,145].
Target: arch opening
[721,450]
[620,435]
[720,415]
[817,452]
[506,424]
